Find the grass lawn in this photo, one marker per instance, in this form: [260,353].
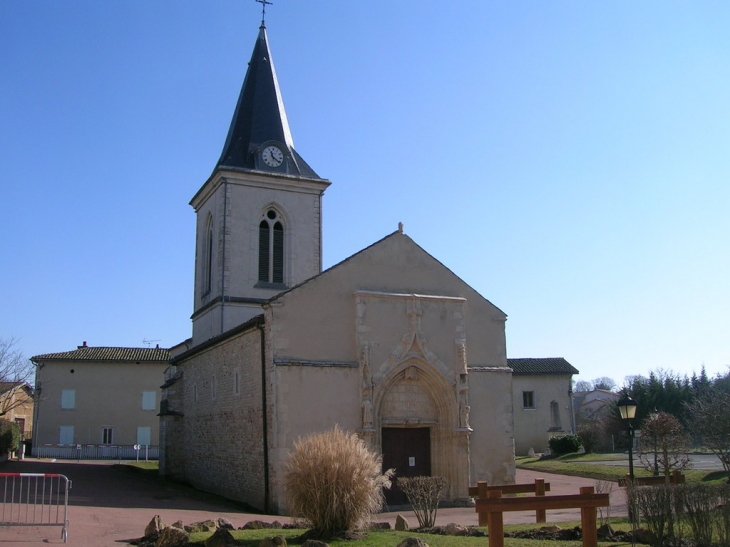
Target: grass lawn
[580,465]
[390,538]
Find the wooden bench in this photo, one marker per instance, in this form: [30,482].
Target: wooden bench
[539,487]
[587,501]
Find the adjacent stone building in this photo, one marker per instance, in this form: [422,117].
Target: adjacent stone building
[543,402]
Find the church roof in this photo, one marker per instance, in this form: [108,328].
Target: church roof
[544,365]
[260,116]
[88,353]
[397,233]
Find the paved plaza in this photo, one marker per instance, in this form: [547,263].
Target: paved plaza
[109,505]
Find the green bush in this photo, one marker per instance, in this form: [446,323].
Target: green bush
[9,436]
[589,437]
[565,444]
[334,482]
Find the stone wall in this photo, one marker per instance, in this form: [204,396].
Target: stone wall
[222,441]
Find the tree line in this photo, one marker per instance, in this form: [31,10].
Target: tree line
[673,413]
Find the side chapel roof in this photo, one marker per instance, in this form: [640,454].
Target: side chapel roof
[544,365]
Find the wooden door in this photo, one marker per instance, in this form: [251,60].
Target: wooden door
[408,451]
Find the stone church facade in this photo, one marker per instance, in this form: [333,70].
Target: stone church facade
[389,343]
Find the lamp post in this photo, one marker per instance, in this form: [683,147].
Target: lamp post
[656,464]
[627,408]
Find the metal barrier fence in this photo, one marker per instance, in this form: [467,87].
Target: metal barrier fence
[35,499]
[97,452]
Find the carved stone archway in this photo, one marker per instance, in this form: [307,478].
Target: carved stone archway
[416,395]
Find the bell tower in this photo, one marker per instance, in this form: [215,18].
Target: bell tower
[259,214]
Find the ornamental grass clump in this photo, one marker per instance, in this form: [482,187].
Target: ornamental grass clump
[334,482]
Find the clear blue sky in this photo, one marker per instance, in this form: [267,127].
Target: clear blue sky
[568,159]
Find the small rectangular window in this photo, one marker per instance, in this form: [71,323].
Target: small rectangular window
[149,400]
[213,387]
[528,399]
[68,399]
[195,393]
[144,436]
[107,435]
[236,383]
[66,434]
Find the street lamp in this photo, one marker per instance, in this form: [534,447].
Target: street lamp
[656,464]
[627,408]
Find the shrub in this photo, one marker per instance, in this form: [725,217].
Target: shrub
[334,482]
[589,436]
[423,493]
[9,436]
[565,444]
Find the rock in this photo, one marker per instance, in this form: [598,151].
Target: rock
[276,541]
[413,542]
[202,526]
[220,538]
[314,543]
[178,524]
[452,529]
[605,531]
[379,526]
[401,524]
[225,524]
[173,537]
[155,527]
[531,453]
[642,535]
[550,529]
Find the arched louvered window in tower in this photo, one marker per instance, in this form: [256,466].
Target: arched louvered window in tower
[271,248]
[208,256]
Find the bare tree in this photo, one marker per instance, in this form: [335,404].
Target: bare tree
[709,417]
[15,372]
[13,366]
[604,382]
[664,444]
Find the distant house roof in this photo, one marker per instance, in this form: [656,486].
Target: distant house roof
[88,353]
[545,365]
[8,386]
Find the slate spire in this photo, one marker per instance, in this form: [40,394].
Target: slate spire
[260,118]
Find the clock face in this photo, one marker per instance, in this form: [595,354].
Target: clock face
[272,156]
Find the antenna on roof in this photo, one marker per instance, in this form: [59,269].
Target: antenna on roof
[149,342]
[264,3]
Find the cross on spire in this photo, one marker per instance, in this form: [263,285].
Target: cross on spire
[264,3]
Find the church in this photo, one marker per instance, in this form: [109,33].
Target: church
[389,343]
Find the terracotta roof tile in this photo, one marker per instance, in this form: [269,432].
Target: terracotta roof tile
[545,365]
[88,353]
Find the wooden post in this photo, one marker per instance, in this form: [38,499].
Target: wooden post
[495,522]
[483,492]
[588,521]
[540,491]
